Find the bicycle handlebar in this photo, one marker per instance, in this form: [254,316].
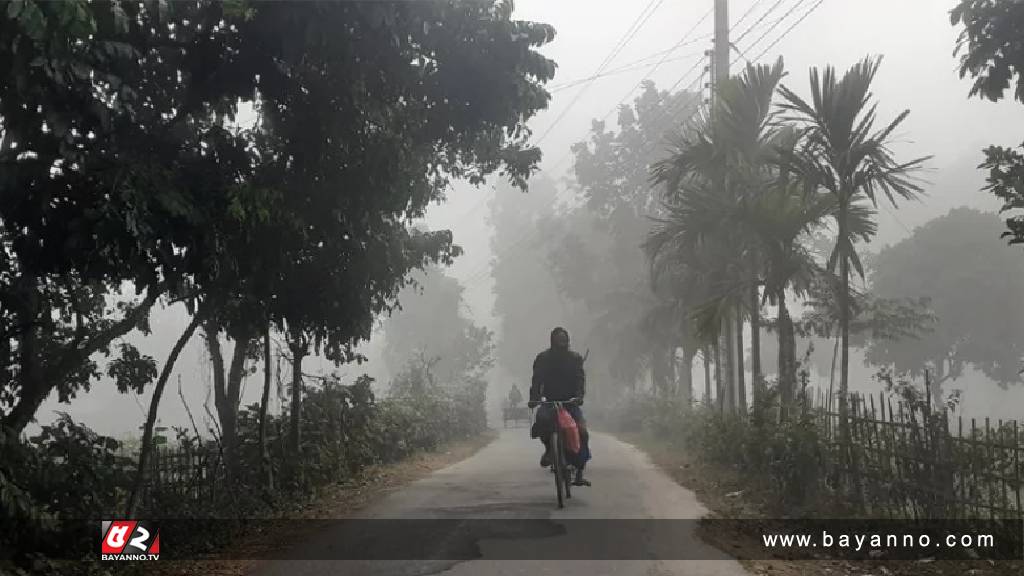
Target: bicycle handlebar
[557,402]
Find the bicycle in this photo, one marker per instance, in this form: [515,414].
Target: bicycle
[560,465]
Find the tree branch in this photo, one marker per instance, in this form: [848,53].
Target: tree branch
[154,403]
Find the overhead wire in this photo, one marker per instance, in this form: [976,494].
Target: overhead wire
[682,42]
[788,30]
[638,23]
[778,21]
[750,28]
[480,272]
[639,65]
[631,32]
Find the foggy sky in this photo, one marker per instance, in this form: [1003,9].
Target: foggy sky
[918,72]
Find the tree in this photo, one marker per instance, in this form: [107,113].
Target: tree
[432,323]
[520,262]
[713,175]
[991,52]
[95,185]
[312,201]
[842,153]
[972,284]
[601,259]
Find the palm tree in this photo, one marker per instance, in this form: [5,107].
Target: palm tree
[842,153]
[780,218]
[709,174]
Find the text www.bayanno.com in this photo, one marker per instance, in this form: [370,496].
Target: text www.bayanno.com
[862,542]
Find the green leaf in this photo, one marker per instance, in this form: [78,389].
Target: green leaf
[14,8]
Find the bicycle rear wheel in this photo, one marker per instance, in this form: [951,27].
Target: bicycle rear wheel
[566,471]
[558,466]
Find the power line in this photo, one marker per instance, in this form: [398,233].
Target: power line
[481,271]
[634,28]
[631,32]
[682,42]
[747,13]
[656,66]
[788,30]
[631,68]
[665,57]
[770,29]
[759,21]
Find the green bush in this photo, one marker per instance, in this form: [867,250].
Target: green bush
[68,472]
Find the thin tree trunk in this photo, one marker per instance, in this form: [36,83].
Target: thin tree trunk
[154,404]
[787,358]
[730,366]
[229,413]
[707,375]
[685,378]
[757,379]
[265,468]
[227,388]
[741,379]
[935,385]
[844,321]
[719,380]
[299,351]
[832,376]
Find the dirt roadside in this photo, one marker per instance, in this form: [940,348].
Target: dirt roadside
[722,491]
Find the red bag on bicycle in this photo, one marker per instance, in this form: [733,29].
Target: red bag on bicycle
[569,429]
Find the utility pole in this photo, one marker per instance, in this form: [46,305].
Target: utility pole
[720,56]
[719,74]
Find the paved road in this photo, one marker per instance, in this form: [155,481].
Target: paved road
[504,481]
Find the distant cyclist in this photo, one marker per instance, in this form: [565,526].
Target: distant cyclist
[515,397]
[558,376]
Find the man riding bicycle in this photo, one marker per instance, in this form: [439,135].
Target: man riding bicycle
[558,376]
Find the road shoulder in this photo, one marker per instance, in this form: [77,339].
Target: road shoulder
[724,493]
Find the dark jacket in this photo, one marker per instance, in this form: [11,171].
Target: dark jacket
[557,375]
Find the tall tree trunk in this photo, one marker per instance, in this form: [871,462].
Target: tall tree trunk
[154,404]
[730,366]
[685,378]
[265,468]
[227,390]
[844,319]
[832,374]
[934,384]
[719,379]
[741,379]
[660,365]
[707,375]
[299,350]
[757,379]
[787,358]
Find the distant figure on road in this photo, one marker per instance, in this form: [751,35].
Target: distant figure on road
[558,376]
[515,397]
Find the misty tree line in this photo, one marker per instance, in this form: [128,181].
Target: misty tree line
[749,228]
[128,180]
[689,253]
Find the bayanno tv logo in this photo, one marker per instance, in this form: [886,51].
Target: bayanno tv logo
[129,540]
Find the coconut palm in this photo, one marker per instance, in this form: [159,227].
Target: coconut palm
[842,153]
